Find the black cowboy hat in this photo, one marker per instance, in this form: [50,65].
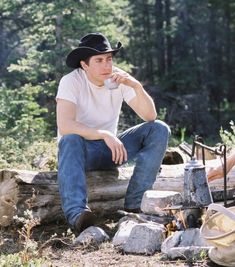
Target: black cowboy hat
[90,45]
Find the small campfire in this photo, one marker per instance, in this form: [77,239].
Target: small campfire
[181,220]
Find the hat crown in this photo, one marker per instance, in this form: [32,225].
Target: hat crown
[90,45]
[95,41]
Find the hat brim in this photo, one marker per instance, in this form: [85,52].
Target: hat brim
[81,53]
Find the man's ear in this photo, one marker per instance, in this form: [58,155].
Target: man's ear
[83,64]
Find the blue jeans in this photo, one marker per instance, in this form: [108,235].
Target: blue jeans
[145,143]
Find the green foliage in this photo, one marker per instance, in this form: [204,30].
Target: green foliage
[228,137]
[20,115]
[22,126]
[42,155]
[47,31]
[162,114]
[37,155]
[30,246]
[16,261]
[184,46]
[29,255]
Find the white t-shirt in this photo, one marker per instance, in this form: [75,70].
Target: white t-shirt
[96,107]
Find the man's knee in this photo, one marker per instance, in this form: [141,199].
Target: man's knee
[161,127]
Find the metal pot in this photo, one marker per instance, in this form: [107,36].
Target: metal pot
[196,189]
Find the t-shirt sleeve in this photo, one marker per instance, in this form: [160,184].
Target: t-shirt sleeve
[128,93]
[67,90]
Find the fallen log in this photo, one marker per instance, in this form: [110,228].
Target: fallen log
[175,155]
[38,191]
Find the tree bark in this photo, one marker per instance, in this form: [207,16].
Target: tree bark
[38,191]
[169,45]
[148,43]
[160,44]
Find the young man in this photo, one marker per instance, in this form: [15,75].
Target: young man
[87,118]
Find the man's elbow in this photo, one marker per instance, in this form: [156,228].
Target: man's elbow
[151,117]
[63,130]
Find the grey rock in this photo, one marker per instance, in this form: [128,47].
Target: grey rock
[188,253]
[171,242]
[145,238]
[192,237]
[134,217]
[123,232]
[162,218]
[91,236]
[153,201]
[188,244]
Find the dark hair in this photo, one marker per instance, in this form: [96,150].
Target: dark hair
[87,60]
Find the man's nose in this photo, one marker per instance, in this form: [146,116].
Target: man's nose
[108,64]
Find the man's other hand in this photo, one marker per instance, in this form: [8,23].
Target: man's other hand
[119,153]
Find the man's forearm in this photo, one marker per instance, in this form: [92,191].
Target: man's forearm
[231,161]
[143,104]
[73,127]
[218,171]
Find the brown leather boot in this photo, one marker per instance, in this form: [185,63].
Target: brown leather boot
[84,220]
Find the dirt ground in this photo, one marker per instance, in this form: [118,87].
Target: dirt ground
[60,252]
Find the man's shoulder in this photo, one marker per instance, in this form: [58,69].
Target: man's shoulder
[73,75]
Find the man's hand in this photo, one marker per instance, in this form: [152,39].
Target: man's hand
[142,103]
[215,173]
[123,77]
[218,172]
[119,153]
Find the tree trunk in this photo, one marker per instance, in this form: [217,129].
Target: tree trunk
[147,42]
[168,37]
[38,191]
[160,45]
[58,47]
[228,54]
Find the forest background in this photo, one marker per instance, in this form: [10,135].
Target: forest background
[181,50]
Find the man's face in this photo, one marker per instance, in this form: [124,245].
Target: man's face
[99,68]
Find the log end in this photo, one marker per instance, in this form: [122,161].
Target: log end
[8,200]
